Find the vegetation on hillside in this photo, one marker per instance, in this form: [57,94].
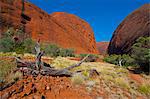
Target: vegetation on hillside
[139,56]
[141,53]
[7,74]
[121,60]
[12,42]
[54,50]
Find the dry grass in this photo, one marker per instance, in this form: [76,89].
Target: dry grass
[77,79]
[109,74]
[7,67]
[144,88]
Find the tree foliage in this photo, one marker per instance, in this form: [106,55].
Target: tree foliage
[141,52]
[125,60]
[54,51]
[12,43]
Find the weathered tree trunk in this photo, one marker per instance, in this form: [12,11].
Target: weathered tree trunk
[39,67]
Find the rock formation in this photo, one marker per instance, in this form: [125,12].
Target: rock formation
[102,47]
[64,29]
[135,25]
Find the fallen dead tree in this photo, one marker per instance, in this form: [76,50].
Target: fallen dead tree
[40,67]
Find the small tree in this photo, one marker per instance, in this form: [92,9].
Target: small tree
[121,60]
[66,52]
[6,45]
[12,43]
[52,50]
[28,45]
[141,53]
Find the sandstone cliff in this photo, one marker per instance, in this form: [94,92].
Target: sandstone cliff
[135,25]
[102,47]
[64,29]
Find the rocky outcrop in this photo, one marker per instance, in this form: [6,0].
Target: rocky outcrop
[64,29]
[135,25]
[102,47]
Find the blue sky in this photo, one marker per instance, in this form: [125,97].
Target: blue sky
[103,15]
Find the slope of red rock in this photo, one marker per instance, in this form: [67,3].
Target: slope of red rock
[102,47]
[135,25]
[66,30]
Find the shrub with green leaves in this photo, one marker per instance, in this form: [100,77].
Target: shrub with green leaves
[144,88]
[141,52]
[54,50]
[51,50]
[9,44]
[6,44]
[6,68]
[29,45]
[126,60]
[66,52]
[113,59]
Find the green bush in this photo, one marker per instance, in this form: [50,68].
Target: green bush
[66,52]
[54,50]
[113,59]
[6,68]
[9,44]
[141,52]
[51,50]
[126,60]
[29,45]
[144,88]
[21,46]
[6,44]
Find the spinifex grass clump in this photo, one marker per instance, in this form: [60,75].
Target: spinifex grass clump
[144,88]
[7,66]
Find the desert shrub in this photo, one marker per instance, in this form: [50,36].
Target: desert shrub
[113,59]
[91,58]
[126,60]
[122,82]
[6,68]
[54,50]
[66,52]
[141,52]
[144,88]
[6,44]
[10,44]
[29,45]
[77,79]
[10,32]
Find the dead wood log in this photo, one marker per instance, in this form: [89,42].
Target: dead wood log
[39,67]
[6,86]
[78,64]
[39,54]
[30,68]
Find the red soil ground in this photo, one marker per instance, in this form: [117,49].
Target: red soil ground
[48,87]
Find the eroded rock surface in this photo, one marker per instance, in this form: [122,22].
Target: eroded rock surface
[64,29]
[135,25]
